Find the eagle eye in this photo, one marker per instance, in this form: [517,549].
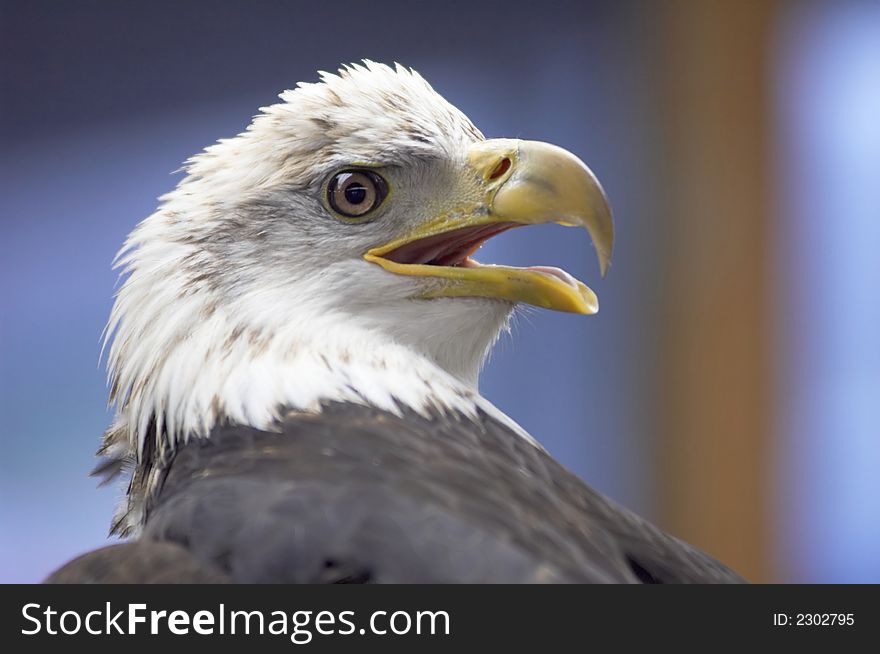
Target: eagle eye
[355,193]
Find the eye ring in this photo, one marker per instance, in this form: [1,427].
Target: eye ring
[354,194]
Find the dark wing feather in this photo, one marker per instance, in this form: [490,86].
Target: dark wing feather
[357,494]
[140,562]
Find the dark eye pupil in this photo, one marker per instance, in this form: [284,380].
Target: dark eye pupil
[355,193]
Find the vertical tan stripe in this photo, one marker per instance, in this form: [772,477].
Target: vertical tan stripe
[715,377]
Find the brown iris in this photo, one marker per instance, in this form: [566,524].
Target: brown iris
[355,193]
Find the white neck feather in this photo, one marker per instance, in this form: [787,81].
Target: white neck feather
[186,363]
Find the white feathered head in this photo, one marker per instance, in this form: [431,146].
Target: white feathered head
[325,253]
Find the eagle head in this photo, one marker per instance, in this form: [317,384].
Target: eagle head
[326,253]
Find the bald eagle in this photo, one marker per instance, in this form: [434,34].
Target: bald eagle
[295,350]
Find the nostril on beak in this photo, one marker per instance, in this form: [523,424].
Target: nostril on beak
[502,167]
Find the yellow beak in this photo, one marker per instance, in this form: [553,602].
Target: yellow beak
[516,183]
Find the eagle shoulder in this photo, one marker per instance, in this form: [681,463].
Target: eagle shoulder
[358,494]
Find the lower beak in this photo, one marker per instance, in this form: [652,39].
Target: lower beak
[519,183]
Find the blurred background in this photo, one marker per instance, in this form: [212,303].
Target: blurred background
[729,389]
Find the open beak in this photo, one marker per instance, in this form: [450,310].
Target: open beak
[517,183]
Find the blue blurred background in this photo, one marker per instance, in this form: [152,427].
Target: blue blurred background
[729,388]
